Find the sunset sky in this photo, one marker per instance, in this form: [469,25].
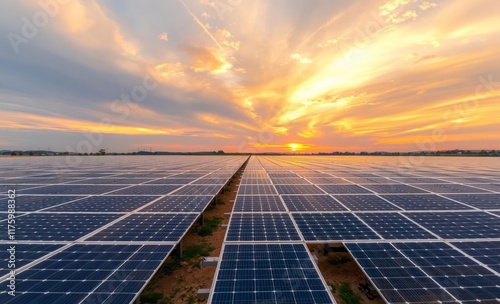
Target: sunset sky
[250,76]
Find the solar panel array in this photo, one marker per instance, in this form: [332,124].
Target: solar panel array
[423,233]
[96,232]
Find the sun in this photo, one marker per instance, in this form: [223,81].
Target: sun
[294,147]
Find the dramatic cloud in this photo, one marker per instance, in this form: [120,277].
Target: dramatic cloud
[250,75]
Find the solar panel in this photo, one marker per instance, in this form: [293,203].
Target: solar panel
[344,189]
[290,181]
[451,188]
[331,227]
[89,273]
[147,227]
[393,188]
[298,189]
[33,203]
[60,226]
[486,252]
[459,225]
[108,203]
[261,227]
[256,190]
[71,189]
[198,190]
[268,273]
[147,190]
[424,202]
[481,201]
[312,203]
[365,203]
[179,203]
[255,181]
[170,181]
[489,187]
[258,203]
[395,276]
[394,226]
[25,254]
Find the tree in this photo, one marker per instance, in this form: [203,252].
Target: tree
[220,152]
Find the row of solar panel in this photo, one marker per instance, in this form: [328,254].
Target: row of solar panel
[330,227]
[458,272]
[301,203]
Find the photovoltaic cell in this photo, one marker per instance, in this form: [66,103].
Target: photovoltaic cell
[24,254]
[89,274]
[59,226]
[33,203]
[332,227]
[179,203]
[297,203]
[424,202]
[344,189]
[298,189]
[198,190]
[481,201]
[459,225]
[268,273]
[107,203]
[393,188]
[395,276]
[451,188]
[147,190]
[394,226]
[256,190]
[486,252]
[71,189]
[261,227]
[258,203]
[147,227]
[365,203]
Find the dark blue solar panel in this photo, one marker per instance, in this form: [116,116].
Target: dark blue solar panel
[33,203]
[486,252]
[108,203]
[312,203]
[24,254]
[365,203]
[290,181]
[298,189]
[198,190]
[272,273]
[147,227]
[424,202]
[72,189]
[59,226]
[332,227]
[451,188]
[256,190]
[147,190]
[261,227]
[481,201]
[394,188]
[395,276]
[258,203]
[462,277]
[90,273]
[344,189]
[111,181]
[179,203]
[394,226]
[170,181]
[489,187]
[459,225]
[327,180]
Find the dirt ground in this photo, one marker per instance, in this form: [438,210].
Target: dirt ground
[346,272]
[182,284]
